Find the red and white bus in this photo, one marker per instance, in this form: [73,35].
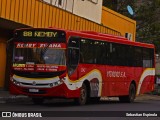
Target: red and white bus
[51,63]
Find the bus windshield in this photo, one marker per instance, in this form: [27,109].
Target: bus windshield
[38,54]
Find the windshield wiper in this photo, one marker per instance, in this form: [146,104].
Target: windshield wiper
[44,50]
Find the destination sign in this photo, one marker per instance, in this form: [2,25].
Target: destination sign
[39,34]
[39,45]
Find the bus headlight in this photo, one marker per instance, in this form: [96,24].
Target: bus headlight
[51,85]
[59,82]
[16,82]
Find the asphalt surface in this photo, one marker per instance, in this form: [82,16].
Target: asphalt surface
[6,97]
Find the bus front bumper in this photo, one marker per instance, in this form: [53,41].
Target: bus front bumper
[60,91]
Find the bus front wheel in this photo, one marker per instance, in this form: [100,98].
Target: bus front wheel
[83,96]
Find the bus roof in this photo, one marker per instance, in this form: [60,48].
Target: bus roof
[109,38]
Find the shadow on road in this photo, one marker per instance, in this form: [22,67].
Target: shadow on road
[69,103]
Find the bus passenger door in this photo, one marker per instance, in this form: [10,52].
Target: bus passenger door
[73,58]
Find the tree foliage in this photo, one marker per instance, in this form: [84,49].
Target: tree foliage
[146,14]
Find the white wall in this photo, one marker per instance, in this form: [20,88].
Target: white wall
[65,4]
[89,9]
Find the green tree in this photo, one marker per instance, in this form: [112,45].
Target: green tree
[148,22]
[119,6]
[146,14]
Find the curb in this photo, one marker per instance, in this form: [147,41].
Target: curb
[143,97]
[148,97]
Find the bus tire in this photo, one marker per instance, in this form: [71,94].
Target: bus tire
[37,100]
[82,100]
[129,98]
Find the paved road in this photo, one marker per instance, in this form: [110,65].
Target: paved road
[106,108]
[144,103]
[138,105]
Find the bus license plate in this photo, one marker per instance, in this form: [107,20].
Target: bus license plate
[33,90]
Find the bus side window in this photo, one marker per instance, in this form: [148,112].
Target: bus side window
[74,56]
[112,54]
[100,52]
[138,57]
[130,55]
[86,51]
[147,57]
[81,58]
